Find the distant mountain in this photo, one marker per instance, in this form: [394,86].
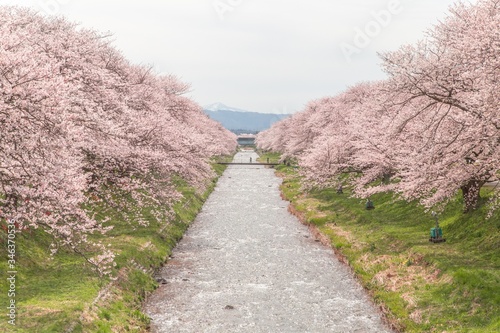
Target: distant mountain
[238,120]
[219,106]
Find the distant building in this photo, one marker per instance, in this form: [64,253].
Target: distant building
[246,139]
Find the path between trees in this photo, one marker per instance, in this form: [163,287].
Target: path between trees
[247,265]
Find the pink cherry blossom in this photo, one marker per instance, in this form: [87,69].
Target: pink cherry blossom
[78,123]
[431,129]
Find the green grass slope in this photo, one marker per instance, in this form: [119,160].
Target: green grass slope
[421,286]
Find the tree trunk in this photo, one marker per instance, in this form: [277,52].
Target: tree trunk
[471,193]
[386,178]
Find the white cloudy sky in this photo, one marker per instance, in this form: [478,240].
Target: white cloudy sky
[258,55]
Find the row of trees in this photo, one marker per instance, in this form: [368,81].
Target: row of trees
[429,130]
[76,119]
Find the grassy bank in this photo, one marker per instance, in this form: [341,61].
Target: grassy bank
[64,295]
[422,287]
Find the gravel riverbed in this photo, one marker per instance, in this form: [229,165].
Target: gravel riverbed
[247,265]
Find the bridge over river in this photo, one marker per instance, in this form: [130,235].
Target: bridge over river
[247,265]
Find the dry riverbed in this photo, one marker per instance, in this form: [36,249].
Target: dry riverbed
[247,265]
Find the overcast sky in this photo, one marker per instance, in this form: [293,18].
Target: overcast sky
[259,55]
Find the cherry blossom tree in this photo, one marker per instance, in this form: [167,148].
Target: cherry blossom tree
[432,127]
[77,119]
[353,140]
[450,110]
[275,138]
